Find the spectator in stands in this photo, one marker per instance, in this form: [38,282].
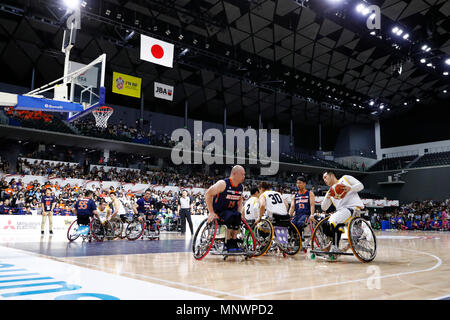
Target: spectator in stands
[435,225]
[445,225]
[5,207]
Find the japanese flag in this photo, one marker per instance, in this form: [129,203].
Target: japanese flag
[157,51]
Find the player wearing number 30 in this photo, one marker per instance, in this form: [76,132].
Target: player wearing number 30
[271,203]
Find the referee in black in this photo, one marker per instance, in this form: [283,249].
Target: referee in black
[184,208]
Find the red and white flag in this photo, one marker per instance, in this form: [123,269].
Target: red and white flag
[157,51]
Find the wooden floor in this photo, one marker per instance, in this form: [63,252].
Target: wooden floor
[408,265]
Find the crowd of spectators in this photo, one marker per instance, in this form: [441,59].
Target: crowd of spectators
[418,215]
[19,198]
[164,177]
[16,197]
[121,131]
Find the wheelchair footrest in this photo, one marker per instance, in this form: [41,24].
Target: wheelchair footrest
[331,253]
[242,253]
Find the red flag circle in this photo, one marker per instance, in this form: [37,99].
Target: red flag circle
[157,51]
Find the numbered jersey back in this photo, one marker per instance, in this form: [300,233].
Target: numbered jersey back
[274,203]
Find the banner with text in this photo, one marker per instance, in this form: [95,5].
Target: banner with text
[126,85]
[163,91]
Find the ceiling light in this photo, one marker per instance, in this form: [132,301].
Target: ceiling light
[72,4]
[360,7]
[423,60]
[406,36]
[444,91]
[447,61]
[394,30]
[371,103]
[445,73]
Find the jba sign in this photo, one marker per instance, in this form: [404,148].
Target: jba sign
[163,91]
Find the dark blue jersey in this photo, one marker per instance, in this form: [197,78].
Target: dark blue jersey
[302,204]
[144,206]
[229,198]
[85,207]
[48,202]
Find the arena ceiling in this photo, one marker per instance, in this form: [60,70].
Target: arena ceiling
[309,60]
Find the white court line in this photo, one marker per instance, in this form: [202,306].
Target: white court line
[167,281]
[442,297]
[357,280]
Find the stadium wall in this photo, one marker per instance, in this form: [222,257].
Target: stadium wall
[420,184]
[355,137]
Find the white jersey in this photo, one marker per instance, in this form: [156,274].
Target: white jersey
[351,199]
[103,214]
[120,207]
[251,209]
[274,203]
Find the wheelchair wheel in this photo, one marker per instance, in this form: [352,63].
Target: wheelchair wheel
[97,230]
[110,232]
[118,227]
[204,239]
[246,238]
[72,232]
[135,230]
[263,233]
[154,228]
[294,241]
[362,239]
[319,239]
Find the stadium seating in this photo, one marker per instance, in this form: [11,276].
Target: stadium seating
[392,163]
[433,159]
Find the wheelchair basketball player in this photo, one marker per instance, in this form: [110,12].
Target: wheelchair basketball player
[303,204]
[224,201]
[345,206]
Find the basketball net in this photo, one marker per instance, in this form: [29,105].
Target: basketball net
[102,115]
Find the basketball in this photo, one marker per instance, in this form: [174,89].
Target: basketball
[337,191]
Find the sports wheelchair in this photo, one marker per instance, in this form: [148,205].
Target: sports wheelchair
[95,230]
[278,233]
[151,230]
[356,234]
[210,238]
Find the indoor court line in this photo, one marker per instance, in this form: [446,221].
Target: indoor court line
[357,280]
[167,281]
[445,297]
[19,254]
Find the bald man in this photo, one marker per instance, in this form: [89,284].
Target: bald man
[224,201]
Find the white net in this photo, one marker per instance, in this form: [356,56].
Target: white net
[102,115]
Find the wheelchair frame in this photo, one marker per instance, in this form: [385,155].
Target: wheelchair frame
[215,244]
[274,243]
[333,255]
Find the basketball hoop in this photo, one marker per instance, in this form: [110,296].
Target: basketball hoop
[102,115]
